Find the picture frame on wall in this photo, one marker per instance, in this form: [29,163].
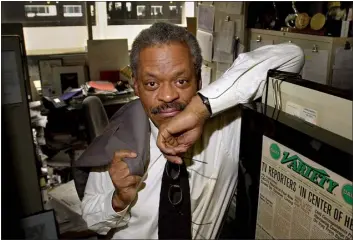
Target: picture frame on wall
[65,77]
[41,225]
[46,70]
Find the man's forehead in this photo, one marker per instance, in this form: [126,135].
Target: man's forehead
[167,58]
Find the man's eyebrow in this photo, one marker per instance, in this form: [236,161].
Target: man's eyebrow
[179,73]
[149,74]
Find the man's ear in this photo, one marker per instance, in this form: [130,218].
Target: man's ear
[136,89]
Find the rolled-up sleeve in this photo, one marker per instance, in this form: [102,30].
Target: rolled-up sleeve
[245,79]
[97,209]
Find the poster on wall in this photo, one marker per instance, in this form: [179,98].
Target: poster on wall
[300,199]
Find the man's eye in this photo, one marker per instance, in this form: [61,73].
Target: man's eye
[151,85]
[182,82]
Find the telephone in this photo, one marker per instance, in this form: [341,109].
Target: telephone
[53,103]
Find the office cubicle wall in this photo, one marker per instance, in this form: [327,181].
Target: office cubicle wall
[296,180]
[329,111]
[20,185]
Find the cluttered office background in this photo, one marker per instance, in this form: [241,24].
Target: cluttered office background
[65,72]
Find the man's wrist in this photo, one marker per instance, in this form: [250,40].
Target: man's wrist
[197,106]
[117,203]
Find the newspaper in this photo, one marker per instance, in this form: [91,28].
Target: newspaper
[300,199]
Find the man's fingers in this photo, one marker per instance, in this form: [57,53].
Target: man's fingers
[130,181]
[173,159]
[162,142]
[119,155]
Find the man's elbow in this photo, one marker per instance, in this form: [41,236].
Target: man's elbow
[293,56]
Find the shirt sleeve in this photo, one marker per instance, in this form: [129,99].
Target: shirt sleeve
[245,79]
[97,209]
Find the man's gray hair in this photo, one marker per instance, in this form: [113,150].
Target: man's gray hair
[165,33]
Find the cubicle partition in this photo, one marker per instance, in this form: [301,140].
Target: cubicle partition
[21,194]
[296,177]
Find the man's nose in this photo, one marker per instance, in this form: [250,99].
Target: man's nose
[167,93]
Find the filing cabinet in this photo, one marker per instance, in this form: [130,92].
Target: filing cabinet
[311,45]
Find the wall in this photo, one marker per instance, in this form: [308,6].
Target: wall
[58,40]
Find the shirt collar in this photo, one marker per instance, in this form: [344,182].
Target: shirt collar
[154,131]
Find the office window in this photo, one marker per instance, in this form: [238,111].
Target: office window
[73,11]
[40,10]
[51,27]
[46,14]
[143,13]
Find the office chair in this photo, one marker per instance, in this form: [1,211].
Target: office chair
[96,119]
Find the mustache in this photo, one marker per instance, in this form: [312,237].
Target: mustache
[176,105]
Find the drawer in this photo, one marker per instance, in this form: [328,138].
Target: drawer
[265,37]
[306,44]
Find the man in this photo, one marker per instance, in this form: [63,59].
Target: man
[166,62]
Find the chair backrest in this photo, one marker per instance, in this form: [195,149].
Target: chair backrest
[96,119]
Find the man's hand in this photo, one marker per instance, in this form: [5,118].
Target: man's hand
[182,131]
[124,183]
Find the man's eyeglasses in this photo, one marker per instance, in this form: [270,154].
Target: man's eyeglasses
[175,193]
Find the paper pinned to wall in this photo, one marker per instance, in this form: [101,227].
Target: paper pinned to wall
[224,38]
[256,44]
[205,17]
[222,67]
[230,7]
[205,75]
[315,67]
[205,40]
[343,59]
[223,57]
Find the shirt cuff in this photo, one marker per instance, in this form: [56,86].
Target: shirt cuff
[221,104]
[108,207]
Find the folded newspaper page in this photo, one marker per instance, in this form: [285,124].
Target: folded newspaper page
[300,199]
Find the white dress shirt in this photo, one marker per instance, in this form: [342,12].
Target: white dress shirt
[214,175]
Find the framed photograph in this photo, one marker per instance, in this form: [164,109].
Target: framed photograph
[67,77]
[40,226]
[46,70]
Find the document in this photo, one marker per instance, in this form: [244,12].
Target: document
[205,75]
[205,17]
[223,57]
[66,195]
[10,80]
[225,38]
[230,7]
[343,58]
[308,114]
[256,44]
[205,40]
[315,67]
[221,69]
[301,199]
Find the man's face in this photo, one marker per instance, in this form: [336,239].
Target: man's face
[165,81]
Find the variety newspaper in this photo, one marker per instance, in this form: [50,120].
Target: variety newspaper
[300,199]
